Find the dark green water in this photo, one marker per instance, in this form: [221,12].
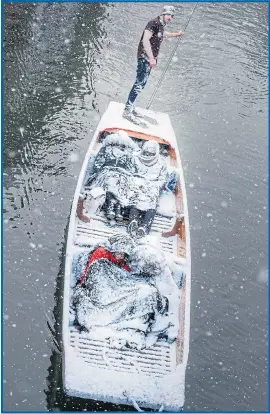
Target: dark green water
[64,62]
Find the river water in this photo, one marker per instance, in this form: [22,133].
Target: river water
[64,62]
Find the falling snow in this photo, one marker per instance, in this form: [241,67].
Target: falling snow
[73,157]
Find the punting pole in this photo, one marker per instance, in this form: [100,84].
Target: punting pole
[170,58]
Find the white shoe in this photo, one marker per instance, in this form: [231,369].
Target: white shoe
[133,228]
[141,232]
[131,117]
[135,113]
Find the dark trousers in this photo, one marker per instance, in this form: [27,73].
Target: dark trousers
[143,218]
[143,72]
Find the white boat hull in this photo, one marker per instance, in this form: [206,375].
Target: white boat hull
[152,378]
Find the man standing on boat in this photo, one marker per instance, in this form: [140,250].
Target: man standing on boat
[147,54]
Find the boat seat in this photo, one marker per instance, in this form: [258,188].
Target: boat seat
[98,230]
[158,360]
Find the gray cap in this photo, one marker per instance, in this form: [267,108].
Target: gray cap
[168,10]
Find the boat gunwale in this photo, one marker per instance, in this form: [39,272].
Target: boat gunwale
[139,135]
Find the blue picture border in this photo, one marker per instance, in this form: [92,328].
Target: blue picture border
[2,166]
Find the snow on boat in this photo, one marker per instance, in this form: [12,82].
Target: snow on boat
[121,346]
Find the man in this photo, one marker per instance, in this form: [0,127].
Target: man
[147,54]
[153,173]
[116,151]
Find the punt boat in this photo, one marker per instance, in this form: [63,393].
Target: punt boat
[153,377]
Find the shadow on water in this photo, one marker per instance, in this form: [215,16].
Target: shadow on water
[57,400]
[50,56]
[50,68]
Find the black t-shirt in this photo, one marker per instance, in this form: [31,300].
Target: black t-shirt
[157,28]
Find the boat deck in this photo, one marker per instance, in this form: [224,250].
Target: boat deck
[158,360]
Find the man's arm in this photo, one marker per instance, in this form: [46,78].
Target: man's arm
[175,34]
[147,47]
